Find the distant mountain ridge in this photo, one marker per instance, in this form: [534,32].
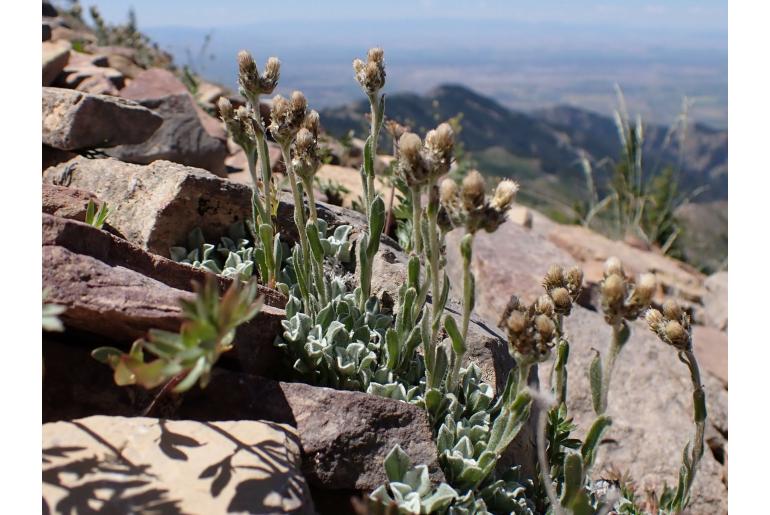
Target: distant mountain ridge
[545,141]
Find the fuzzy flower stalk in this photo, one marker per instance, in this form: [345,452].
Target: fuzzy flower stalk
[290,124]
[672,326]
[623,300]
[468,206]
[370,75]
[420,165]
[245,127]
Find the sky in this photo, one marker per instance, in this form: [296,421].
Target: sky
[527,55]
[683,14]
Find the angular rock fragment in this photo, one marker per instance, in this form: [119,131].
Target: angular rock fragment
[55,57]
[121,305]
[181,139]
[73,120]
[157,205]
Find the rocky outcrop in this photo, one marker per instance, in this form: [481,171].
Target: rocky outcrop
[181,138]
[189,135]
[344,436]
[120,305]
[81,238]
[156,206]
[73,120]
[146,465]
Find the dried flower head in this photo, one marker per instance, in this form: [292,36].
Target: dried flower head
[239,123]
[248,75]
[563,289]
[654,319]
[574,279]
[395,129]
[411,165]
[532,331]
[613,265]
[545,305]
[287,116]
[269,80]
[448,192]
[249,80]
[306,160]
[562,300]
[645,288]
[674,331]
[672,309]
[371,75]
[473,190]
[622,297]
[312,122]
[504,193]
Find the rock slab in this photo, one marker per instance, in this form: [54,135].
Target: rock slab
[157,205]
[74,120]
[145,465]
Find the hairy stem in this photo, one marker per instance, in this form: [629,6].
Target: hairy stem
[307,183]
[543,460]
[416,215]
[609,364]
[433,260]
[299,212]
[467,287]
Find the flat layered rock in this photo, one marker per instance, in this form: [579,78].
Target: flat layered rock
[65,231]
[121,305]
[74,120]
[650,402]
[182,138]
[147,465]
[157,205]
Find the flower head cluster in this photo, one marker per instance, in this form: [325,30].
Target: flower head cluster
[422,163]
[672,325]
[563,287]
[306,159]
[371,74]
[468,205]
[532,330]
[239,122]
[287,117]
[622,297]
[251,83]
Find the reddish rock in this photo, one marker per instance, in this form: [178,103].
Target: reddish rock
[121,305]
[81,238]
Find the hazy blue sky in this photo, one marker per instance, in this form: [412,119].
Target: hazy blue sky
[686,14]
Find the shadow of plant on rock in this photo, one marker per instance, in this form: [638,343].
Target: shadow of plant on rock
[124,482]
